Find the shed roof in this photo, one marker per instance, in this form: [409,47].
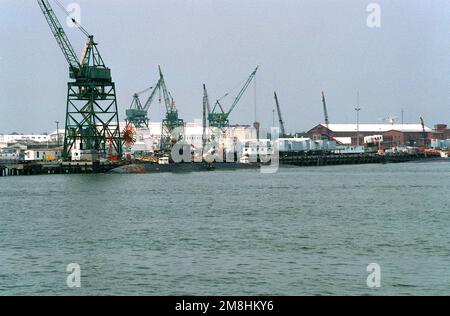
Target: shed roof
[377,128]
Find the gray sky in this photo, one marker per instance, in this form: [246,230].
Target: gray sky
[303,47]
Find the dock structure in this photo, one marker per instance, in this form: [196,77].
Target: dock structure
[37,168]
[302,159]
[10,170]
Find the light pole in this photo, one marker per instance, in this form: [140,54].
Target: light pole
[357,109]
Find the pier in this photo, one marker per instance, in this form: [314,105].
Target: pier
[37,168]
[314,159]
[10,170]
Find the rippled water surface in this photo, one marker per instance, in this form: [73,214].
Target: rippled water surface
[302,231]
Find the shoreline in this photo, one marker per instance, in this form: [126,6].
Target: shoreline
[285,160]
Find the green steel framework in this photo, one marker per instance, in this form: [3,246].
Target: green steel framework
[92,119]
[172,125]
[218,117]
[137,114]
[91,110]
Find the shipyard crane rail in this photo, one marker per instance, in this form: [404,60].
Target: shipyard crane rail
[280,118]
[218,117]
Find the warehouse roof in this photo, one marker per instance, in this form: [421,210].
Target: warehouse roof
[377,127]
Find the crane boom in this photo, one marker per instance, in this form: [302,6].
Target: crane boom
[172,125]
[217,117]
[424,133]
[244,88]
[167,99]
[325,111]
[206,99]
[283,131]
[60,36]
[92,119]
[152,96]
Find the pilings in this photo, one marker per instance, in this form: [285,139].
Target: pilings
[38,168]
[11,170]
[304,159]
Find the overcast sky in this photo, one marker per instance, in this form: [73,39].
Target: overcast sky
[302,46]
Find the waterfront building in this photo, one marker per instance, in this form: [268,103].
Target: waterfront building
[393,134]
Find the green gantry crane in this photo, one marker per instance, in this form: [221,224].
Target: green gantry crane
[137,114]
[172,125]
[92,118]
[217,117]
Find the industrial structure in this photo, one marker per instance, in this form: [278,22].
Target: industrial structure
[92,133]
[172,125]
[424,140]
[92,121]
[217,116]
[205,111]
[137,114]
[280,118]
[393,134]
[325,114]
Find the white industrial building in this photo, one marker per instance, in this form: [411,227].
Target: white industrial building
[148,139]
[43,154]
[53,137]
[57,136]
[14,138]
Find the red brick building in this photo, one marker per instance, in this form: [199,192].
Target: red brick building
[393,134]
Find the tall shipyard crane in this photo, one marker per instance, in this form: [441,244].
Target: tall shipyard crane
[206,110]
[137,114]
[280,118]
[424,133]
[325,110]
[172,125]
[217,117]
[325,114]
[92,119]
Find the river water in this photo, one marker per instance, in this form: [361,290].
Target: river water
[301,231]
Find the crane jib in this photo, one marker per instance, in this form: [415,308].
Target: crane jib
[60,35]
[241,93]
